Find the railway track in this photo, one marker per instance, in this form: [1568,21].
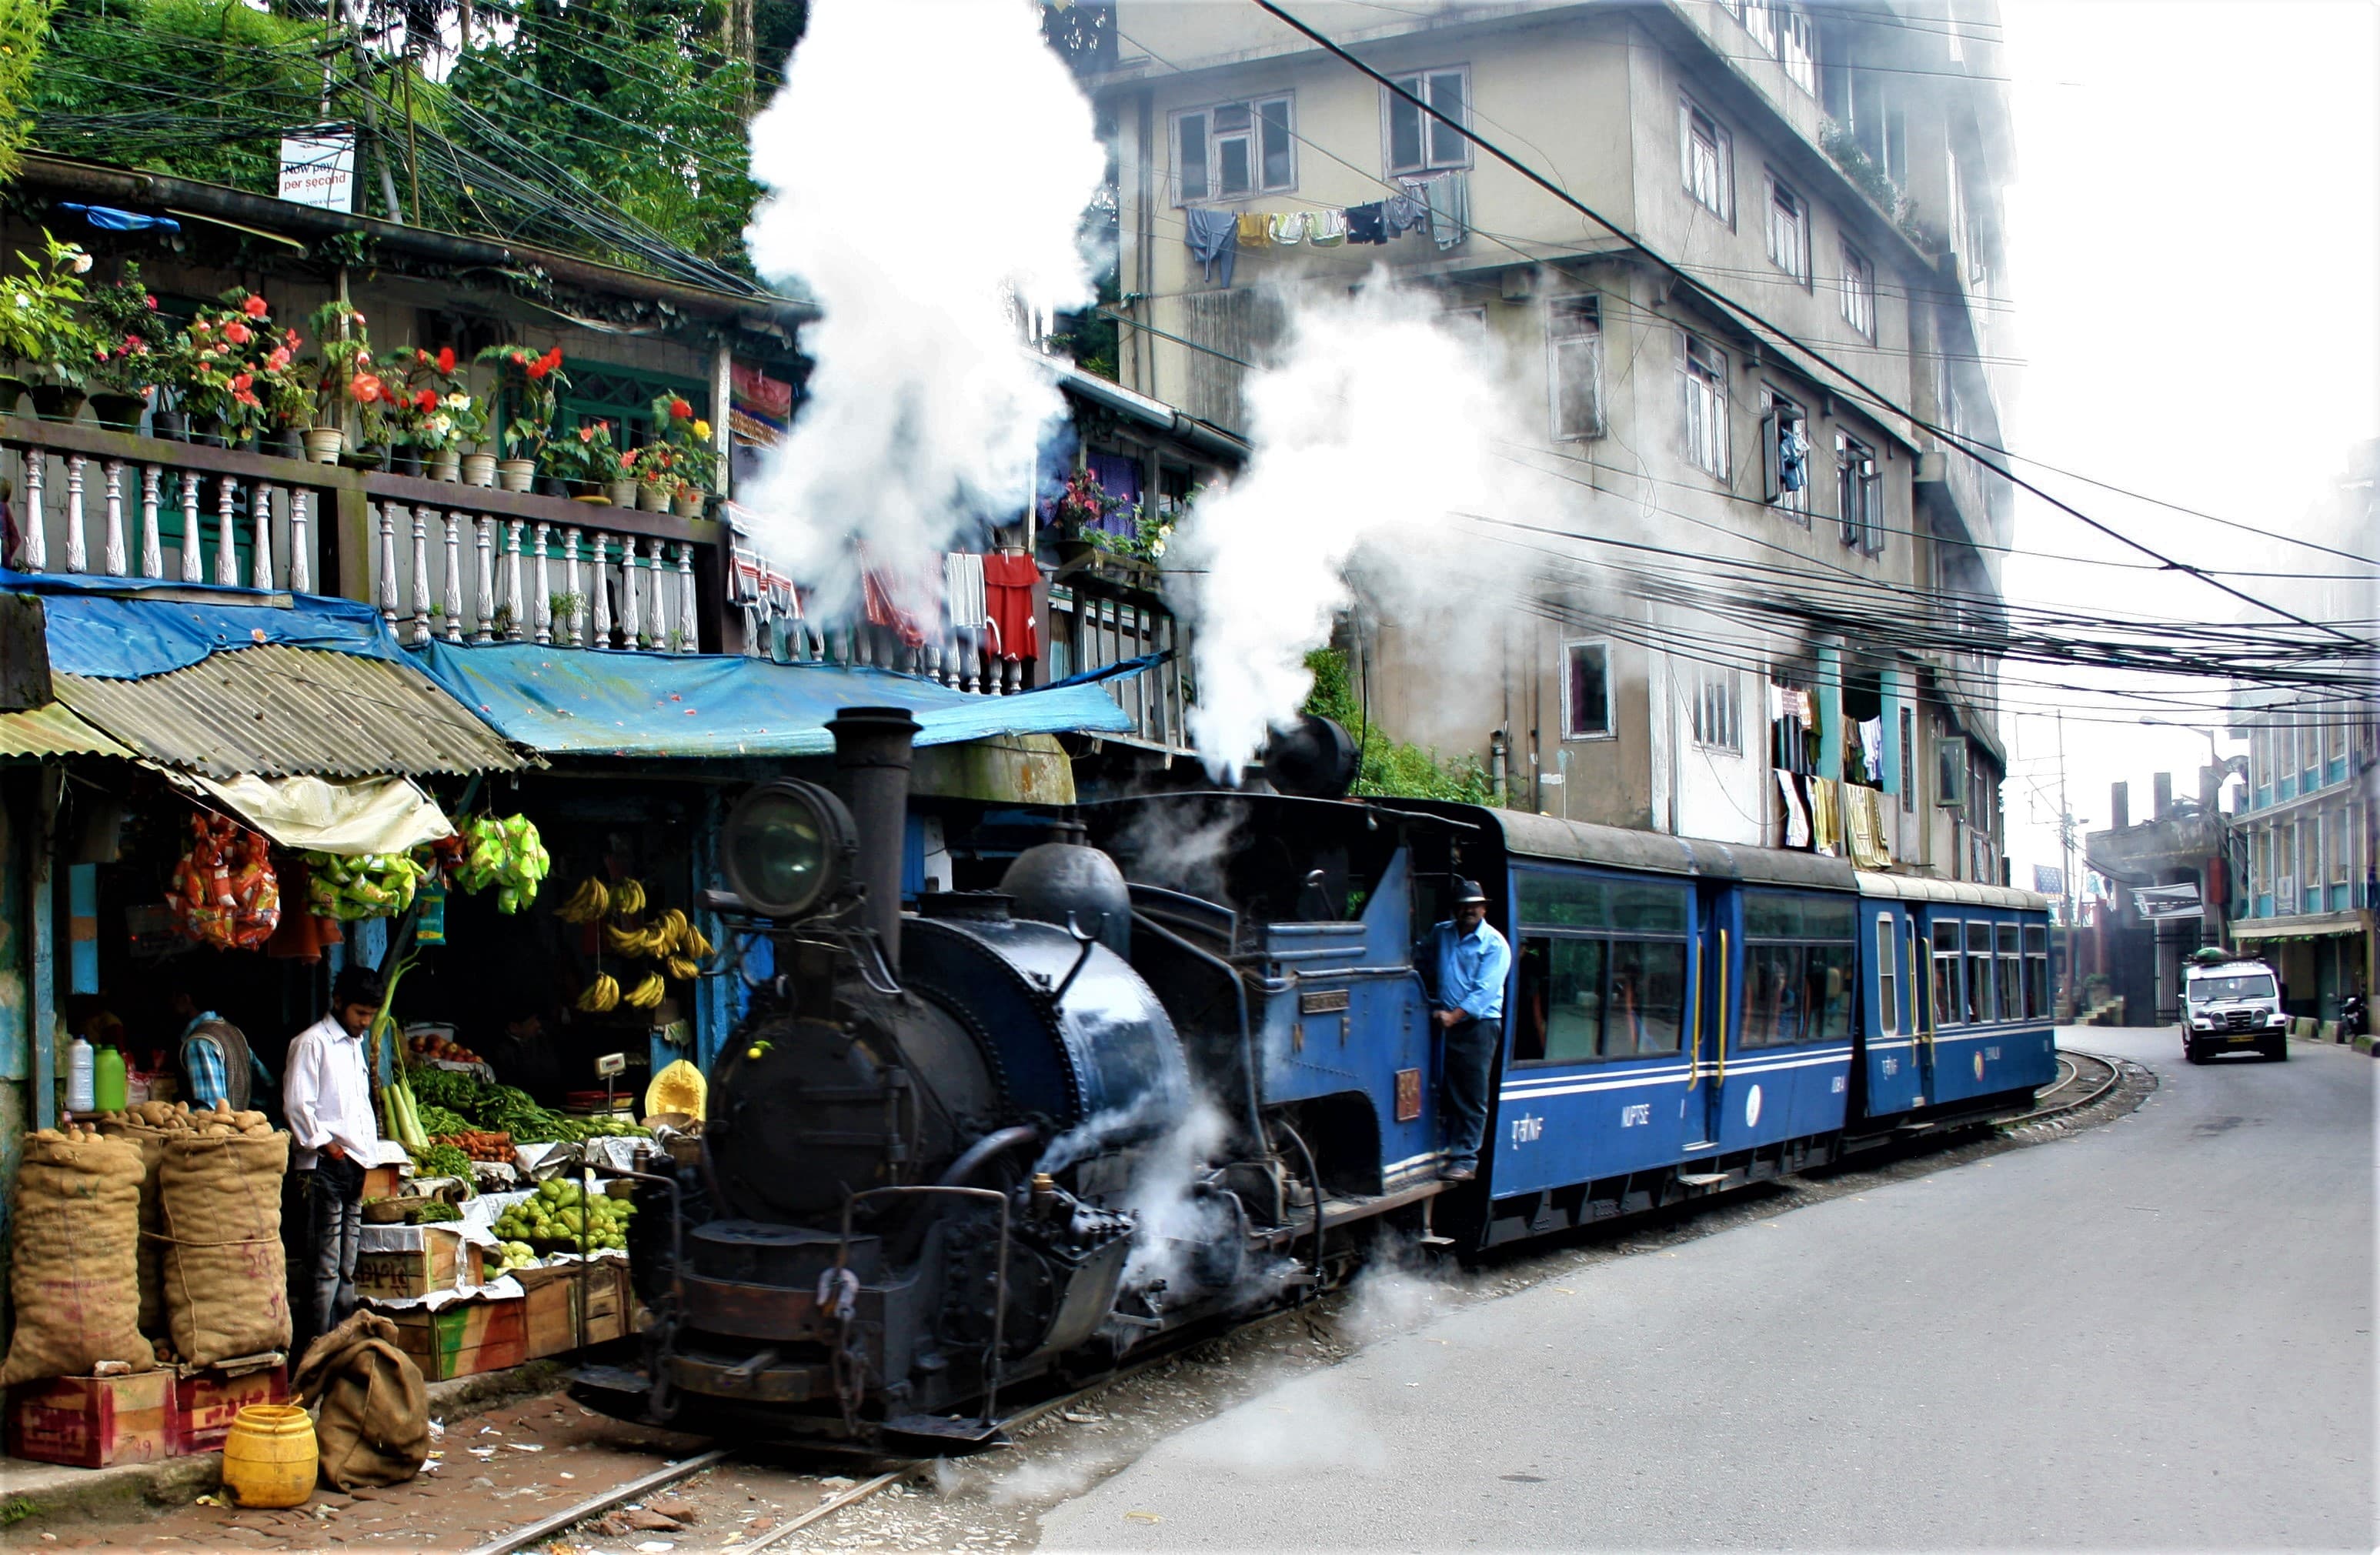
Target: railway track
[2084,1079]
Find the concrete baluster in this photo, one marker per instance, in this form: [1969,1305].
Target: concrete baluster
[76,560]
[574,605]
[228,537]
[630,616]
[34,554]
[515,629]
[113,557]
[384,593]
[301,546]
[600,587]
[541,606]
[152,546]
[688,626]
[452,593]
[421,516]
[193,541]
[485,592]
[260,555]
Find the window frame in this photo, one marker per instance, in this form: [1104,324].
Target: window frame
[1781,197]
[2007,970]
[1718,709]
[1887,976]
[1587,305]
[1800,945]
[1722,146]
[1210,191]
[1859,482]
[1614,938]
[1776,402]
[1419,82]
[1951,983]
[1603,648]
[2038,1002]
[1704,406]
[1980,1011]
[1859,292]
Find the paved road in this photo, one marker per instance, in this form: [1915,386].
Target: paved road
[2157,1332]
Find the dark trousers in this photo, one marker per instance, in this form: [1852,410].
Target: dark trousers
[1470,1049]
[334,1194]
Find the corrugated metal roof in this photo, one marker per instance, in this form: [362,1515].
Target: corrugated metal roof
[52,729]
[278,712]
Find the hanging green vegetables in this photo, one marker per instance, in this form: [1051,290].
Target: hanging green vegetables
[349,887]
[504,854]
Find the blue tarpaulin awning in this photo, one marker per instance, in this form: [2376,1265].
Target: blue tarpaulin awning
[573,702]
[117,628]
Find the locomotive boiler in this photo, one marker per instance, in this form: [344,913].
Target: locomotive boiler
[949,1152]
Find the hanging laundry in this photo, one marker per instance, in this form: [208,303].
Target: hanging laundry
[879,599]
[1447,200]
[1326,229]
[1403,212]
[1286,228]
[1792,456]
[1864,826]
[1871,738]
[1008,582]
[1214,239]
[1367,224]
[1797,820]
[1256,230]
[963,593]
[1826,817]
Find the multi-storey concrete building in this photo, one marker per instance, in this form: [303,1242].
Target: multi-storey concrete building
[2314,773]
[1835,172]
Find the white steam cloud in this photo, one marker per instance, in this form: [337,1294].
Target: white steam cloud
[1383,425]
[918,242]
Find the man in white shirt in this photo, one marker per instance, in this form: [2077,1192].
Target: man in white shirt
[327,1096]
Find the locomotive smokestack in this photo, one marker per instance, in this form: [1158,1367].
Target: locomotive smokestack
[872,753]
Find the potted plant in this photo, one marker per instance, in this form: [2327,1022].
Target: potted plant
[687,499]
[446,421]
[586,463]
[688,459]
[281,381]
[341,376]
[41,328]
[647,468]
[214,384]
[126,359]
[529,435]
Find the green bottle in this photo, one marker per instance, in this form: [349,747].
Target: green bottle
[107,1081]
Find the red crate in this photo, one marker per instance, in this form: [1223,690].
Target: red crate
[93,1422]
[204,1402]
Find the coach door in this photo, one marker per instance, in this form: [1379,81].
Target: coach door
[1716,935]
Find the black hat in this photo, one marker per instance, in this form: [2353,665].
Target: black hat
[1467,891]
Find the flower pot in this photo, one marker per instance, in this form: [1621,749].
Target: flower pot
[653,497]
[118,412]
[446,466]
[479,469]
[554,486]
[514,475]
[56,402]
[206,430]
[168,424]
[289,444]
[324,443]
[12,389]
[686,504]
[620,493]
[407,461]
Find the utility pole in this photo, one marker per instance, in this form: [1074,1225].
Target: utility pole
[2069,907]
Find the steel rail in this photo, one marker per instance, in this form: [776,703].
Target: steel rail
[555,1523]
[2114,1075]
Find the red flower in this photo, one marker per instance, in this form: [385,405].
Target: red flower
[247,397]
[447,358]
[420,356]
[240,380]
[426,401]
[587,434]
[256,307]
[151,300]
[237,332]
[535,366]
[681,411]
[364,388]
[134,343]
[552,358]
[628,461]
[289,338]
[279,360]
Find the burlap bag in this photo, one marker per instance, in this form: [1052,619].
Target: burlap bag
[150,1142]
[373,1426]
[219,1216]
[75,1224]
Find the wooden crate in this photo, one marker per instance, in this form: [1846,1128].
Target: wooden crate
[432,1266]
[205,1400]
[383,1182]
[566,1311]
[465,1337]
[93,1422]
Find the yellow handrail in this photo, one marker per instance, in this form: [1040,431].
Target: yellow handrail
[1695,1024]
[1721,1077]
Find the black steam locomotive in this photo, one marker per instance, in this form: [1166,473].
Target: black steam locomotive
[1187,1072]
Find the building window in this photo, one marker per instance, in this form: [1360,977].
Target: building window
[1234,148]
[1859,494]
[1709,160]
[1417,142]
[1789,231]
[1859,292]
[1908,760]
[1574,344]
[1702,369]
[1785,455]
[1718,709]
[1760,20]
[1586,690]
[1797,45]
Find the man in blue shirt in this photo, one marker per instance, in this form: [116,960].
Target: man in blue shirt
[1466,963]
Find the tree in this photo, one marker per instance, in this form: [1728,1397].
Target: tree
[1388,767]
[24,28]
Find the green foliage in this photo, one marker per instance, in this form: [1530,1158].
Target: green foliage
[41,313]
[1391,769]
[24,28]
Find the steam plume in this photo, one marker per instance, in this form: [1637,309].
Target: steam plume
[918,218]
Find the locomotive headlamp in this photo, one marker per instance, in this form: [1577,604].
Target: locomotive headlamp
[788,849]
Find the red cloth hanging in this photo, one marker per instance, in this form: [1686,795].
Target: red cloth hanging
[1008,583]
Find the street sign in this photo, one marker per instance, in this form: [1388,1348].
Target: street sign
[318,167]
[2049,880]
[2157,902]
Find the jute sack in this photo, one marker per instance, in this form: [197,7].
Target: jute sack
[374,1427]
[150,1142]
[219,1216]
[75,1226]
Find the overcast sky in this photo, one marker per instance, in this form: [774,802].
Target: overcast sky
[2193,233]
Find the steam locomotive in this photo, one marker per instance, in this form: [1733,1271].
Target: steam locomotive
[1177,1066]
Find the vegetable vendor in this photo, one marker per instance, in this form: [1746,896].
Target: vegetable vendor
[327,1094]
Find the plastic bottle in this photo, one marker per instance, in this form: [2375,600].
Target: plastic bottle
[79,1077]
[107,1081]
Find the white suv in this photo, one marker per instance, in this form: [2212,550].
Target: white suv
[2227,1005]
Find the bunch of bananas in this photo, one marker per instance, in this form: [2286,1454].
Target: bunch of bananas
[601,994]
[646,994]
[587,904]
[672,935]
[629,898]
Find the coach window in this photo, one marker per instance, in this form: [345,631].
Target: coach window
[1887,977]
[2036,971]
[1603,968]
[1946,981]
[1979,972]
[2011,966]
[1797,977]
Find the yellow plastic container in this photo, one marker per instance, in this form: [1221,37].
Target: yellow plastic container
[269,1456]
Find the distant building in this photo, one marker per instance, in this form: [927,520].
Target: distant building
[1838,172]
[2173,887]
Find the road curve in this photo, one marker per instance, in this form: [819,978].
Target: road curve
[2155,1333]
